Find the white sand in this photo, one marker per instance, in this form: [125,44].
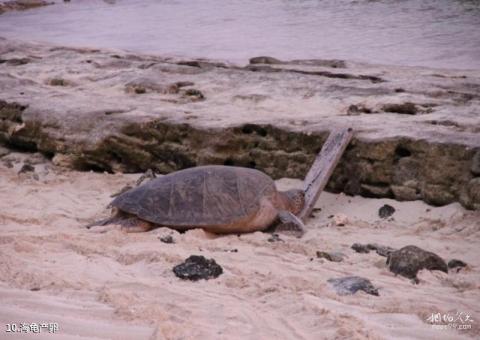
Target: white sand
[121,286]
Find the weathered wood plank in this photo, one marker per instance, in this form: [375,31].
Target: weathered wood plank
[322,168]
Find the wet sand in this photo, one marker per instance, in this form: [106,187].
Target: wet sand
[121,286]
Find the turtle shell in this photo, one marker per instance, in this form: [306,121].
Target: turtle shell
[200,196]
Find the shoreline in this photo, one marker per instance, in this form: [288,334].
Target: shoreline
[433,50]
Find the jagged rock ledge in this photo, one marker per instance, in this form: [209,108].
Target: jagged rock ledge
[417,129]
[21,5]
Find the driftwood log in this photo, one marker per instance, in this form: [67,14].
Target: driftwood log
[322,168]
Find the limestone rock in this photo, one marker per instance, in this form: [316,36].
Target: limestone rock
[339,220]
[406,170]
[330,256]
[403,193]
[376,190]
[20,5]
[62,160]
[474,193]
[475,168]
[437,194]
[242,116]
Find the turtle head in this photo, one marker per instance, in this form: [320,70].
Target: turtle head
[294,200]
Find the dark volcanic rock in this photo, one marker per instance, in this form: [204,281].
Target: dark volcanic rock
[197,267]
[354,110]
[167,239]
[264,60]
[408,260]
[454,263]
[365,248]
[351,284]
[360,248]
[17,61]
[405,108]
[58,82]
[194,94]
[386,211]
[26,168]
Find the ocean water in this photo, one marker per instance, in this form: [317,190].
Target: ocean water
[435,33]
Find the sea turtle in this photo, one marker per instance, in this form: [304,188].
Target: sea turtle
[219,199]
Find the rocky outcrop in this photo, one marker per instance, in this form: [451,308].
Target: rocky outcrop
[129,113]
[166,147]
[20,5]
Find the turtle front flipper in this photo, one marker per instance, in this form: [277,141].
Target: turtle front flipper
[289,224]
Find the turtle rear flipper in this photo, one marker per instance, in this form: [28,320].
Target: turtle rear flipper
[103,222]
[130,224]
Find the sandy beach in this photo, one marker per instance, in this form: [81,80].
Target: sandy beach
[114,285]
[86,111]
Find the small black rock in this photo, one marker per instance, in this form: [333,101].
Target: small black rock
[140,90]
[361,248]
[351,284]
[365,248]
[381,250]
[26,168]
[408,260]
[454,263]
[197,267]
[386,211]
[167,239]
[194,93]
